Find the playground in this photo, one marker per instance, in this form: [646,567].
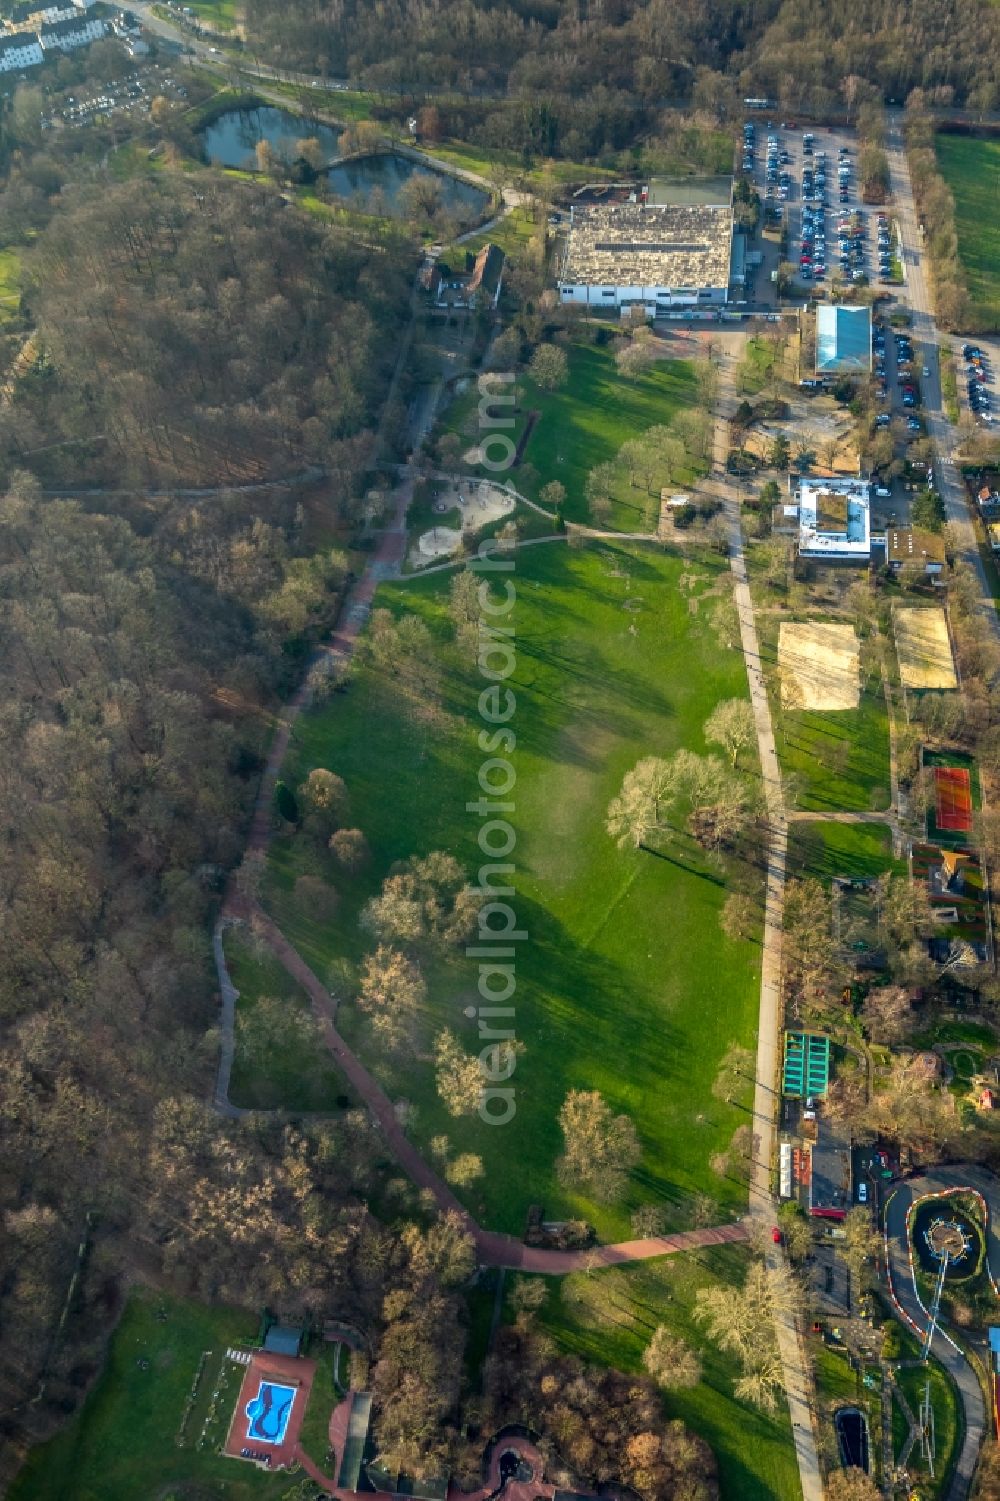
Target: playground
[947,1236]
[464,508]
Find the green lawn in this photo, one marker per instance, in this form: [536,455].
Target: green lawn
[852,851]
[513,234]
[585,424]
[218,14]
[10,283]
[763,360]
[626,984]
[947,1421]
[608,1318]
[123,1445]
[836,761]
[971,169]
[323,1399]
[298,1074]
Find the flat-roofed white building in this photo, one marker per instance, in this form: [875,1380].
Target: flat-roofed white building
[835,520]
[653,256]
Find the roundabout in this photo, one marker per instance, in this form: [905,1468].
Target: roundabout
[945,1234]
[946,1210]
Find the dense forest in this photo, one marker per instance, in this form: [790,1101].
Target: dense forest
[136,657]
[643,53]
[202,334]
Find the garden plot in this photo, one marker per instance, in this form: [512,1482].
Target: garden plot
[819,665]
[923,647]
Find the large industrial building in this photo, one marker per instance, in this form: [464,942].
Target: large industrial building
[652,256]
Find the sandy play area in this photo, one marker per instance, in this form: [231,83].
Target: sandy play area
[923,647]
[463,506]
[816,423]
[818,662]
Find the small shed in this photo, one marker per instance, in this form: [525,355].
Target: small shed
[282,1339]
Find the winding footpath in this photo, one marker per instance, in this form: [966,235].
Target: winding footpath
[908,1302]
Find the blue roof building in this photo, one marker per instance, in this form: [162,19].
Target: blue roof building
[843,340]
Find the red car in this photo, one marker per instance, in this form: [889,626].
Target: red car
[776,1236]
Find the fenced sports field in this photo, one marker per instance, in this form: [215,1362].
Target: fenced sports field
[953,799]
[923,647]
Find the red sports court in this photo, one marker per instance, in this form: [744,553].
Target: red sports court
[953,790]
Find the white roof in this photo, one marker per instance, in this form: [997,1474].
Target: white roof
[816,537]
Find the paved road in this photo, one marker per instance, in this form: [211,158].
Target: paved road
[905,1295]
[797,1379]
[925,334]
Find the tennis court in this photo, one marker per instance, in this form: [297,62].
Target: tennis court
[953,794]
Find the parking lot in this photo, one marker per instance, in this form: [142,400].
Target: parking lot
[975,362]
[811,177]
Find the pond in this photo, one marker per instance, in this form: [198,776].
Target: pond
[231,139]
[852,1436]
[387,175]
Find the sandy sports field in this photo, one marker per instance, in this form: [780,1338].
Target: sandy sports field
[818,662]
[924,648]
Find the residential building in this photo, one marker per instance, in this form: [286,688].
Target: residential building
[843,340]
[23,50]
[650,256]
[77,31]
[914,544]
[477,285]
[835,520]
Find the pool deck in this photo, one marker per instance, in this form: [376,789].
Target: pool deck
[284,1370]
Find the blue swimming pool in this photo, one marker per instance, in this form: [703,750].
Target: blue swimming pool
[268,1413]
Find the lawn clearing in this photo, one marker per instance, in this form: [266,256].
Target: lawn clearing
[608,1317]
[10,284]
[582,425]
[219,15]
[626,984]
[818,662]
[840,851]
[296,1073]
[947,1424]
[923,647]
[126,1434]
[971,169]
[832,761]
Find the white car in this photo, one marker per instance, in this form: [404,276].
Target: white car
[862,1193]
[927,370]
